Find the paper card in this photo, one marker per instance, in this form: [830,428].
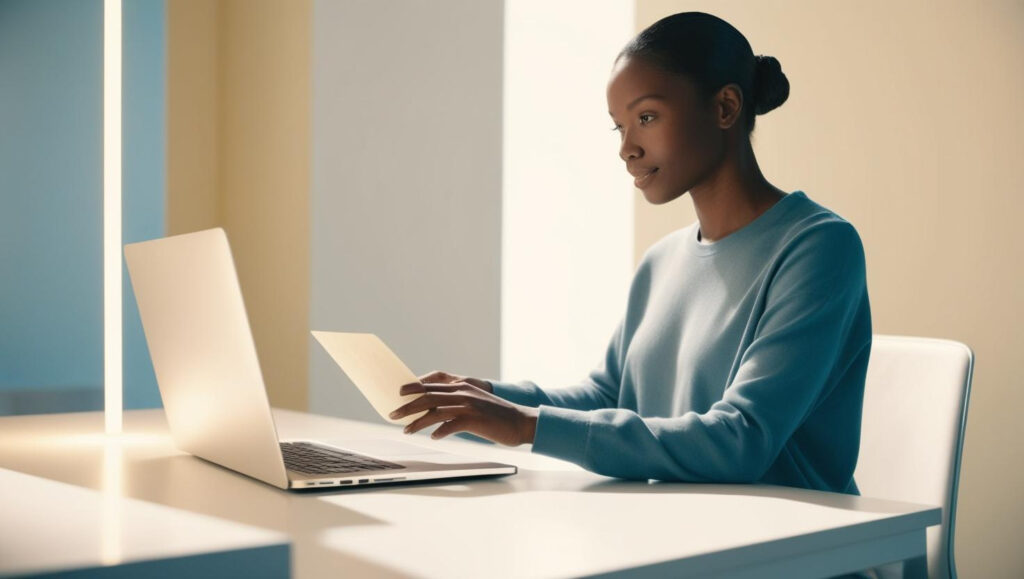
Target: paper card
[373,368]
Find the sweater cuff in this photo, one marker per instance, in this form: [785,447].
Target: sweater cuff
[562,433]
[522,393]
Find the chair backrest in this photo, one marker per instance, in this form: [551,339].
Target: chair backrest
[915,411]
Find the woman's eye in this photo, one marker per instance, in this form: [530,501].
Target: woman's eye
[644,119]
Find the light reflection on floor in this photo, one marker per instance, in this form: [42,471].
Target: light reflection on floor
[113,481]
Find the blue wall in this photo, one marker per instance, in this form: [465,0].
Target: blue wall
[145,139]
[51,146]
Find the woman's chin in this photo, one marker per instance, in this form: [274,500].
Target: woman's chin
[656,196]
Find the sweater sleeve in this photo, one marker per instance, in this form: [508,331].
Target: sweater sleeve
[800,348]
[599,390]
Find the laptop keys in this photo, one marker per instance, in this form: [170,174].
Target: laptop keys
[309,458]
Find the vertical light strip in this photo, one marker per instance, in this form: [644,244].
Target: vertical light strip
[112,215]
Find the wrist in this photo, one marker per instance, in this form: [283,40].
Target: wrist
[484,385]
[529,424]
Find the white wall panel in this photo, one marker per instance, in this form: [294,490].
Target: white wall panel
[406,187]
[567,213]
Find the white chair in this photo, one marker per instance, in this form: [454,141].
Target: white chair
[912,435]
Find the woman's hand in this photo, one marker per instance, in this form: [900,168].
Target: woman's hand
[462,406]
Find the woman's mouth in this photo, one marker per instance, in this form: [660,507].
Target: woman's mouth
[642,180]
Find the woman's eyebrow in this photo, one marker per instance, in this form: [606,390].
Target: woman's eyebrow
[645,97]
[642,98]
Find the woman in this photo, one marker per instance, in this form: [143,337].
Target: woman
[742,353]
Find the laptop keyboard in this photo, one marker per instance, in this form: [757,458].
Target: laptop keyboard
[309,458]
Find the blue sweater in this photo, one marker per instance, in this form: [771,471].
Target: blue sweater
[741,360]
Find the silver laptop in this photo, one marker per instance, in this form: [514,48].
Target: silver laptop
[212,389]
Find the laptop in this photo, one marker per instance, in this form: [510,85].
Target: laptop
[212,389]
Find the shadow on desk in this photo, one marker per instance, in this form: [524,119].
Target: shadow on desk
[570,481]
[824,498]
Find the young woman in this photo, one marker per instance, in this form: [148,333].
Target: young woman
[742,353]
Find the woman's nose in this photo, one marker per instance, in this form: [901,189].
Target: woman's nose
[629,150]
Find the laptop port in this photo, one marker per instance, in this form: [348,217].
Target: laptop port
[364,480]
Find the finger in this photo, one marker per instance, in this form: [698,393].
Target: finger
[435,377]
[411,388]
[417,388]
[428,401]
[439,414]
[460,424]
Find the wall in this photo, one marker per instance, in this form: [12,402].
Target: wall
[51,307]
[51,296]
[904,118]
[238,158]
[264,179]
[193,104]
[567,205]
[144,140]
[406,186]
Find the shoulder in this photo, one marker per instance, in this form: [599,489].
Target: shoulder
[810,224]
[822,233]
[819,249]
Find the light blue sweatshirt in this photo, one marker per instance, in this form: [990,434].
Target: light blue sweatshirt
[741,360]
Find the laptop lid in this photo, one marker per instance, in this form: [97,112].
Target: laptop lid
[198,334]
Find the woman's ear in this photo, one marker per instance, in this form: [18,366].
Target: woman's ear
[728,105]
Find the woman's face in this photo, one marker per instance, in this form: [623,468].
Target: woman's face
[670,138]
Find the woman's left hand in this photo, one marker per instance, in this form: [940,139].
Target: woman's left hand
[462,407]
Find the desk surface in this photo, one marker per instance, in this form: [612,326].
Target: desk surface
[48,527]
[553,519]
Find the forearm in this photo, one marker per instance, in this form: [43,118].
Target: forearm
[619,443]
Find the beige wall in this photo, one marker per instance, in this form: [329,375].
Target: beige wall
[193,141]
[905,118]
[238,157]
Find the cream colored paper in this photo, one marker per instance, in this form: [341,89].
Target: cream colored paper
[373,368]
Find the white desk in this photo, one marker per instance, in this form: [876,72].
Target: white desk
[48,528]
[553,519]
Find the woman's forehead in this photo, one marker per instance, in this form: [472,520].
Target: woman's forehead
[632,78]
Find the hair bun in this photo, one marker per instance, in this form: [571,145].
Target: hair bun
[771,87]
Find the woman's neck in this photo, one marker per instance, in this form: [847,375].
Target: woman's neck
[733,196]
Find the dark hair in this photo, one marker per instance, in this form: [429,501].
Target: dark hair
[712,54]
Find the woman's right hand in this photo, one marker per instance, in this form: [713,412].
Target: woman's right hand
[438,377]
